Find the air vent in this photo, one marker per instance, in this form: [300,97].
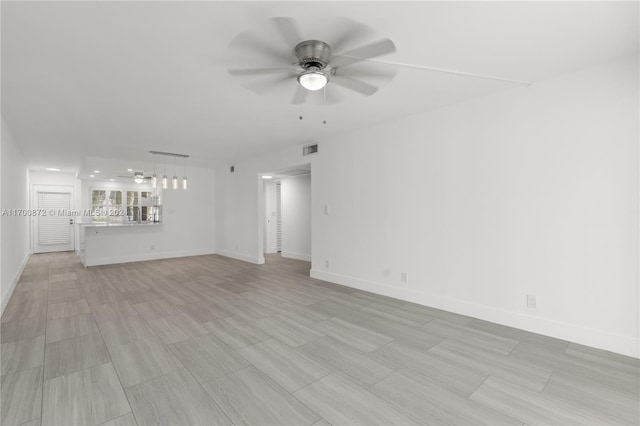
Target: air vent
[310,149]
[232,169]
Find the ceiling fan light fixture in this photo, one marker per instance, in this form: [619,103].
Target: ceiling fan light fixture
[138,177]
[313,79]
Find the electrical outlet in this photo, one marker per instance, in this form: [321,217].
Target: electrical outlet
[403,277]
[532,301]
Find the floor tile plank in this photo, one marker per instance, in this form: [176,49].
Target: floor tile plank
[339,401]
[248,397]
[287,330]
[531,407]
[176,328]
[21,396]
[66,328]
[22,354]
[143,360]
[77,353]
[174,399]
[125,330]
[359,337]
[433,404]
[86,397]
[68,309]
[207,357]
[236,333]
[22,329]
[287,366]
[359,365]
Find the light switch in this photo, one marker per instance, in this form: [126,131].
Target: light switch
[327,210]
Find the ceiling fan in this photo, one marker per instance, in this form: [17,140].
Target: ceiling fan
[313,64]
[138,177]
[317,64]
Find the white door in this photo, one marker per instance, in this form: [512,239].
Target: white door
[271,217]
[53,228]
[279,216]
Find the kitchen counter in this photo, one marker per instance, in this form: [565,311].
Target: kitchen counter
[103,243]
[117,224]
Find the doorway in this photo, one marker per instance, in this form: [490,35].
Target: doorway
[273,217]
[53,225]
[286,224]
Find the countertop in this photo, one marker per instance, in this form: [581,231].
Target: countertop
[116,224]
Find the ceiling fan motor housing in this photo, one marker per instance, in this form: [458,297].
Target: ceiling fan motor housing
[313,54]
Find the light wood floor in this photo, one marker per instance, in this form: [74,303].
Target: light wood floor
[210,340]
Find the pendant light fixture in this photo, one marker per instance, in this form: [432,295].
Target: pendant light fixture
[165,180]
[184,173]
[175,177]
[164,177]
[154,178]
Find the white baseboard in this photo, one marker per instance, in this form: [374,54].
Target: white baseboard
[258,260]
[624,345]
[146,256]
[14,281]
[298,256]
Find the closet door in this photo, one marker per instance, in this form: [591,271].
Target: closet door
[53,231]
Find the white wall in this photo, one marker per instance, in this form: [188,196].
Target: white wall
[15,229]
[38,177]
[187,228]
[529,191]
[296,217]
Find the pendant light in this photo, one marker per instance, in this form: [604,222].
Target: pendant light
[175,177]
[184,173]
[154,178]
[164,178]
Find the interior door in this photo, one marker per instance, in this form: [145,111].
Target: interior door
[53,228]
[279,216]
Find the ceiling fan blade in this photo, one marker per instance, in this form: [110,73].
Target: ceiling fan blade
[347,32]
[267,85]
[362,53]
[356,85]
[379,71]
[300,95]
[250,42]
[288,30]
[331,96]
[260,71]
[451,71]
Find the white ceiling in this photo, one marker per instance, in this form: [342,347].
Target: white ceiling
[117,79]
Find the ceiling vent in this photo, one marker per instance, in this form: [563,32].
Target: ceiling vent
[310,149]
